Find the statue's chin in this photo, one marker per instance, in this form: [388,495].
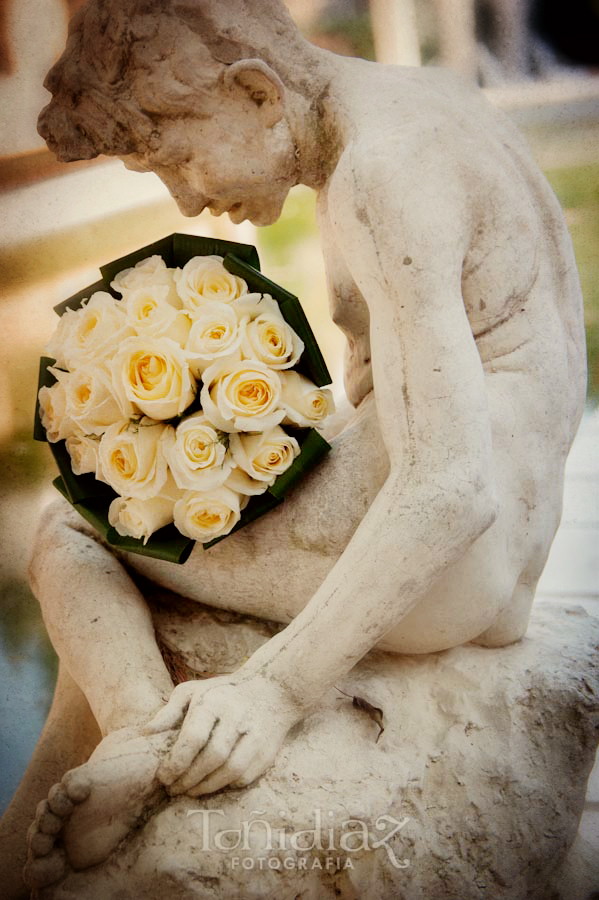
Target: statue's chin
[262,219]
[259,217]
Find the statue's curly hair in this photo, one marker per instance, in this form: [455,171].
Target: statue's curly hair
[127,64]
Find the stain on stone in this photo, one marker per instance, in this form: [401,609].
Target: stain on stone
[407,260]
[362,215]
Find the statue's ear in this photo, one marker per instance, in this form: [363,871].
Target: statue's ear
[260,84]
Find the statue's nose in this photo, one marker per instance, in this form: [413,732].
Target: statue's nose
[54,80]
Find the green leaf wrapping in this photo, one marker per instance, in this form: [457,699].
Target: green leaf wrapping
[91,498]
[313,449]
[167,544]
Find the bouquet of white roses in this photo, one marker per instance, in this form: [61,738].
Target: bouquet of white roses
[180,394]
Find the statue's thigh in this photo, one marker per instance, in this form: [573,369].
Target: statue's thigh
[271,567]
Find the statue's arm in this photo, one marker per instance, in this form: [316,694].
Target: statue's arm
[404,246]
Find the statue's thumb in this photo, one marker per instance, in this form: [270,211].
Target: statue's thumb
[168,717]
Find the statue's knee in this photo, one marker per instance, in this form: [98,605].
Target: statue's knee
[511,624]
[57,523]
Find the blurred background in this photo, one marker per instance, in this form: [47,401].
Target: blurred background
[536,59]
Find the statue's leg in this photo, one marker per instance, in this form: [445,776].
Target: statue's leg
[69,736]
[94,806]
[103,633]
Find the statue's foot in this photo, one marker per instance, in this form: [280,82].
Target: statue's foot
[95,806]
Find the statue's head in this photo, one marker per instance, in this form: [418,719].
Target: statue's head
[186,88]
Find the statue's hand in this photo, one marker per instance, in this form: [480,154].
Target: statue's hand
[231,731]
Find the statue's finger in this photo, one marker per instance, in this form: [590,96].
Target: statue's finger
[171,715]
[260,762]
[237,765]
[217,751]
[194,735]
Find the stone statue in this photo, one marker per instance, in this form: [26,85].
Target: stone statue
[450,272]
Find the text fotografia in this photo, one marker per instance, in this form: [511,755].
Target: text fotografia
[268,844]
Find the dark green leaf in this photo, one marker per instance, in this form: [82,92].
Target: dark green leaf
[167,544]
[186,246]
[313,449]
[94,512]
[77,299]
[79,487]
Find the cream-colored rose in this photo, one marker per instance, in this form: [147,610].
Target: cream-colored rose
[196,454]
[264,456]
[204,279]
[208,515]
[61,338]
[154,375]
[132,517]
[215,334]
[267,336]
[247,487]
[150,271]
[304,403]
[91,403]
[84,452]
[90,333]
[150,312]
[53,412]
[241,396]
[132,459]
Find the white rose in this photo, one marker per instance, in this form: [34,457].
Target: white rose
[215,334]
[150,271]
[91,402]
[203,279]
[154,375]
[150,312]
[61,337]
[241,482]
[196,455]
[91,332]
[53,412]
[132,517]
[241,396]
[84,452]
[132,458]
[264,456]
[304,403]
[208,515]
[267,336]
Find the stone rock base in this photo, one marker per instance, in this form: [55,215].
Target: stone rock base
[473,792]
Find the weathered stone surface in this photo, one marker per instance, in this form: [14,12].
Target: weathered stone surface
[484,760]
[452,275]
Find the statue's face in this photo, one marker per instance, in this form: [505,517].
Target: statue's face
[227,161]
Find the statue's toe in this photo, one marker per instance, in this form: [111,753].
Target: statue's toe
[44,870]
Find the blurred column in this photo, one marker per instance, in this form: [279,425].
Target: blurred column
[511,44]
[7,62]
[457,36]
[395,32]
